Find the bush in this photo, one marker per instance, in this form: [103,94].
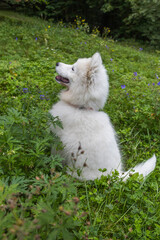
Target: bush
[143,21]
[126,19]
[37,199]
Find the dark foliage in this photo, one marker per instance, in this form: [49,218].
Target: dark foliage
[125,18]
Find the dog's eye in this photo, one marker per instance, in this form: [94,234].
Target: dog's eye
[72,68]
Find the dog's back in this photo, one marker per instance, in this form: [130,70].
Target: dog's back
[89,140]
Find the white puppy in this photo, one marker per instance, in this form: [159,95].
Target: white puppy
[88,135]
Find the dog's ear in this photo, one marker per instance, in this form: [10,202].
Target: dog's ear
[96,61]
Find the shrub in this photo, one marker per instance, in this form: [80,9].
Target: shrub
[126,19]
[37,199]
[143,21]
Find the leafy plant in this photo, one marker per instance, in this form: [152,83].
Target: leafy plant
[125,19]
[37,199]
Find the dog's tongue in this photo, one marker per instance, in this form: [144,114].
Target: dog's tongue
[62,79]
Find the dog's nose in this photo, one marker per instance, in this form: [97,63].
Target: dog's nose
[57,64]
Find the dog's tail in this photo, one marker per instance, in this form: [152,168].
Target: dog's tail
[143,168]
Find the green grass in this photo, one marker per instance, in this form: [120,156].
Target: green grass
[37,199]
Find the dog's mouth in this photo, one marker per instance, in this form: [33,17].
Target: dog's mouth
[62,80]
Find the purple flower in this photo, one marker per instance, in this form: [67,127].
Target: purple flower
[42,97]
[158,83]
[135,73]
[123,86]
[10,62]
[36,38]
[16,38]
[25,90]
[111,59]
[77,28]
[85,43]
[148,84]
[140,49]
[153,84]
[156,76]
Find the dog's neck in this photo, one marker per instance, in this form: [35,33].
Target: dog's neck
[79,107]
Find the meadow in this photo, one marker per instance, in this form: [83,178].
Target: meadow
[38,200]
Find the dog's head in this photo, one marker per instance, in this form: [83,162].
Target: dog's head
[86,82]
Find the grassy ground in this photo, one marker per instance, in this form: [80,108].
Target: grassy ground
[37,199]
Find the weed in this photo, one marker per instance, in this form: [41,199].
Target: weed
[37,199]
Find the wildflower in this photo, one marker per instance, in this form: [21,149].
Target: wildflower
[156,76]
[16,38]
[36,38]
[61,208]
[130,229]
[135,74]
[76,200]
[158,83]
[35,221]
[10,62]
[148,84]
[111,59]
[123,86]
[153,84]
[85,43]
[49,26]
[140,49]
[25,90]
[42,97]
[68,213]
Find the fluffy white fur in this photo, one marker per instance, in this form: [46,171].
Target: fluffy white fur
[88,135]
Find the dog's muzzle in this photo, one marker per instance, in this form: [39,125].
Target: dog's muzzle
[62,80]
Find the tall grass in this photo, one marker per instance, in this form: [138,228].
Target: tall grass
[37,199]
